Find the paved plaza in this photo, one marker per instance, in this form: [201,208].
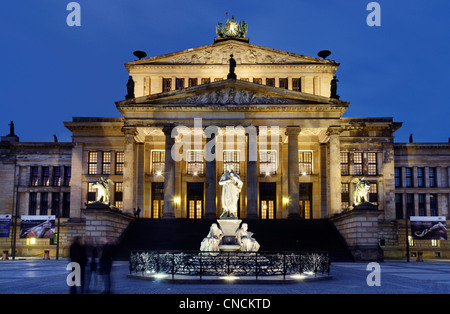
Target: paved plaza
[395,277]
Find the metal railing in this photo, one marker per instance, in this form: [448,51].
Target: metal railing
[200,263]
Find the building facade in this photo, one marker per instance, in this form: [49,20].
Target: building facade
[279,123]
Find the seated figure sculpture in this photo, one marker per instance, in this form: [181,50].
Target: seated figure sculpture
[212,240]
[245,240]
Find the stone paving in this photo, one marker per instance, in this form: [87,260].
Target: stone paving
[396,277]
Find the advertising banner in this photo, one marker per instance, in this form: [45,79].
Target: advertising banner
[37,226]
[5,225]
[428,227]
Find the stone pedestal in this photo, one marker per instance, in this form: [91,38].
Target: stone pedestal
[359,227]
[229,227]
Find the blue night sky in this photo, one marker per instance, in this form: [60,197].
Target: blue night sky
[52,72]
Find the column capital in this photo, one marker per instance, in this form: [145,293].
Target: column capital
[293,130]
[167,129]
[334,130]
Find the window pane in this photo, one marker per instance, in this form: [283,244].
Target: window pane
[267,162]
[92,163]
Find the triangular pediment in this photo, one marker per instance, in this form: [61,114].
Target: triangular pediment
[219,53]
[231,93]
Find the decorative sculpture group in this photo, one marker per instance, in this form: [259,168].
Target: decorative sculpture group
[232,29]
[229,236]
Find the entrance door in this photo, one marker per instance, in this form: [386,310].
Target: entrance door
[157,200]
[305,200]
[267,200]
[195,200]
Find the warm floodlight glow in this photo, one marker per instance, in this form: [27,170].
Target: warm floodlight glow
[304,173]
[31,241]
[160,275]
[298,276]
[158,173]
[267,174]
[285,200]
[229,277]
[177,200]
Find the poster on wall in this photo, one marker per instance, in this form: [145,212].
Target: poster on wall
[37,226]
[428,227]
[5,225]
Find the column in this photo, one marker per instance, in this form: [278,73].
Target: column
[293,172]
[335,172]
[169,175]
[252,173]
[211,170]
[75,181]
[129,169]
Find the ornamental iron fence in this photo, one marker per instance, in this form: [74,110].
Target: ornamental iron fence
[200,263]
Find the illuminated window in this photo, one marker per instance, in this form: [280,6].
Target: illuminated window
[305,200]
[344,164]
[345,196]
[297,84]
[167,84]
[45,176]
[435,243]
[267,209]
[372,164]
[359,163]
[411,241]
[268,162]
[195,209]
[120,159]
[118,194]
[284,83]
[158,158]
[92,163]
[231,157]
[373,193]
[206,80]
[305,162]
[157,199]
[106,162]
[91,193]
[194,163]
[34,176]
[57,176]
[357,168]
[270,81]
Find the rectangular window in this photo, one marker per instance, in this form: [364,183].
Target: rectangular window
[44,203]
[231,157]
[206,80]
[432,177]
[305,162]
[55,203]
[46,176]
[373,193]
[92,163]
[120,159]
[270,81]
[297,84]
[284,83]
[34,176]
[57,176]
[305,200]
[91,193]
[409,177]
[434,205]
[398,177]
[167,84]
[398,206]
[118,195]
[357,168]
[193,82]
[345,196]
[268,162]
[32,206]
[157,199]
[179,83]
[422,209]
[410,205]
[344,164]
[372,164]
[194,163]
[67,175]
[420,177]
[66,205]
[106,163]
[257,80]
[158,159]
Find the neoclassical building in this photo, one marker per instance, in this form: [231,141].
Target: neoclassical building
[273,115]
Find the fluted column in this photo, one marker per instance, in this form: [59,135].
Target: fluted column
[129,169]
[335,172]
[211,169]
[252,173]
[293,172]
[169,175]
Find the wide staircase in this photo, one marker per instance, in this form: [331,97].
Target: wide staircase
[272,235]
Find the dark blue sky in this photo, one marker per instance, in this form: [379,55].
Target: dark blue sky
[52,72]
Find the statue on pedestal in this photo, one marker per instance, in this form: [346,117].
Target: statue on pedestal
[231,187]
[103,190]
[361,192]
[130,88]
